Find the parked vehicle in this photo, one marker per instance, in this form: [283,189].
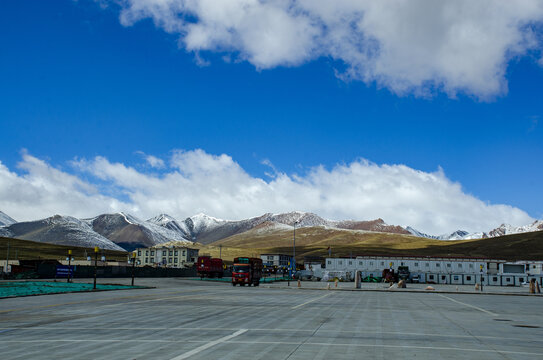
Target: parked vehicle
[246,271]
[210,267]
[403,272]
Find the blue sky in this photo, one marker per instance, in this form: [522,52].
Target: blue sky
[77,82]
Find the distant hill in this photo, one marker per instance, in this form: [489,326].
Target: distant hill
[315,242]
[32,250]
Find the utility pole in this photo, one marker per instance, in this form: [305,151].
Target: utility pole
[7,259]
[69,265]
[220,251]
[95,264]
[133,266]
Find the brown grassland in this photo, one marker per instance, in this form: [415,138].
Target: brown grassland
[315,242]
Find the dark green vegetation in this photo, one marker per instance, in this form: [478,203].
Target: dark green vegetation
[31,250]
[26,288]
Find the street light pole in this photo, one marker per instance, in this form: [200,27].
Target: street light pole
[133,266]
[69,265]
[293,262]
[95,264]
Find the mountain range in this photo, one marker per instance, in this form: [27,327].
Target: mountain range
[121,231]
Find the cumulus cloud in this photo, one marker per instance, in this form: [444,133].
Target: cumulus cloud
[195,181]
[407,46]
[42,190]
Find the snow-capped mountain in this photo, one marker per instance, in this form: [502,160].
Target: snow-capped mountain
[60,230]
[6,220]
[206,229]
[130,232]
[503,229]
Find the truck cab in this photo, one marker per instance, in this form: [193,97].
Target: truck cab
[246,271]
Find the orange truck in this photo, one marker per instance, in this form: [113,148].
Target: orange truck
[246,271]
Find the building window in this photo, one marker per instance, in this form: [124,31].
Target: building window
[448,265]
[146,260]
[329,262]
[460,266]
[427,264]
[438,265]
[170,260]
[176,252]
[152,253]
[382,263]
[164,253]
[183,252]
[139,252]
[152,260]
[171,252]
[416,264]
[495,278]
[175,260]
[350,262]
[360,263]
[468,278]
[146,252]
[371,264]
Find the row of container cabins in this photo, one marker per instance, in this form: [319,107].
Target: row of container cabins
[442,270]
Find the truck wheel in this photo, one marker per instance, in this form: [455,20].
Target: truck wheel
[233,284]
[257,284]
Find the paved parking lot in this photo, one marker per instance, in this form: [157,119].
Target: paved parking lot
[185,319]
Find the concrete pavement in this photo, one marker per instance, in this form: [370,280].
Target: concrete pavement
[183,319]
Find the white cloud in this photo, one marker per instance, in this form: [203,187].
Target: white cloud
[407,46]
[152,161]
[43,190]
[195,181]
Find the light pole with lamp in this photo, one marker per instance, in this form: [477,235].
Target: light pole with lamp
[95,264]
[69,265]
[133,266]
[293,262]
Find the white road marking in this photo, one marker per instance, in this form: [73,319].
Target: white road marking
[239,332]
[208,345]
[134,328]
[310,301]
[471,306]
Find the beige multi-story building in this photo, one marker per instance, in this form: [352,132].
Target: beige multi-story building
[172,254]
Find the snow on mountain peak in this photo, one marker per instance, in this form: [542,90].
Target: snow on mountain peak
[6,220]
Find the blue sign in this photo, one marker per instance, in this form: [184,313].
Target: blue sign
[64,271]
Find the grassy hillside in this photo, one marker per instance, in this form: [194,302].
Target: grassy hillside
[315,242]
[29,250]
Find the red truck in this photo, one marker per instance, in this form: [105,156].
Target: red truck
[209,267]
[246,271]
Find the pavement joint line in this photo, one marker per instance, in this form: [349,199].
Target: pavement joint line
[468,305]
[87,301]
[208,345]
[310,301]
[391,346]
[144,301]
[241,331]
[262,330]
[399,291]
